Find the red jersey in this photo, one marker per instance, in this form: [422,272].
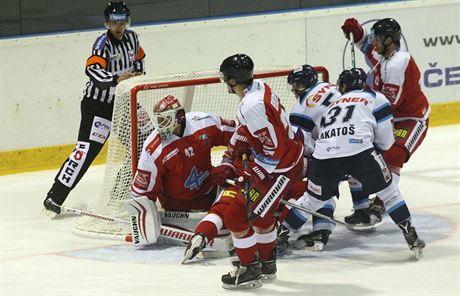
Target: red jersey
[178,168]
[263,119]
[398,78]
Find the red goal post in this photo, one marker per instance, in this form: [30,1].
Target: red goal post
[184,83]
[197,91]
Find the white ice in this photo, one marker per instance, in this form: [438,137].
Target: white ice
[43,257]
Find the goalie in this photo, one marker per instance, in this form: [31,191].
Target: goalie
[175,166]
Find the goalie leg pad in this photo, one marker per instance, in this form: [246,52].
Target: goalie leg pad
[145,220]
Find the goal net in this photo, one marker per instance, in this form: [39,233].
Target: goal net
[197,91]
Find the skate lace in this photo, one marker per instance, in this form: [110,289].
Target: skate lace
[238,271]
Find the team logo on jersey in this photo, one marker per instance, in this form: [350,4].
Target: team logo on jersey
[264,137]
[195,179]
[401,133]
[142,179]
[390,91]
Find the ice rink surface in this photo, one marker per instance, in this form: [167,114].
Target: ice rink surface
[43,257]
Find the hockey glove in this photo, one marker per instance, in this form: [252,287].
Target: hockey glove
[241,147]
[253,175]
[222,172]
[351,26]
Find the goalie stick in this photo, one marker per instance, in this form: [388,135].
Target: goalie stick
[313,213]
[179,235]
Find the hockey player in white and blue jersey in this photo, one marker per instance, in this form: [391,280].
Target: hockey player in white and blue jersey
[313,98]
[352,132]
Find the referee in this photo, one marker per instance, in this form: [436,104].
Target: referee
[116,56]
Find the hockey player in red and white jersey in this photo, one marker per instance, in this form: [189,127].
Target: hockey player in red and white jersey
[396,75]
[351,132]
[277,162]
[175,165]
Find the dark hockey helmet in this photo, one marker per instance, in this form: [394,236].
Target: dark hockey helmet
[239,67]
[354,79]
[387,27]
[116,11]
[303,77]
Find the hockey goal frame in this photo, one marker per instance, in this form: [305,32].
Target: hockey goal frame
[182,83]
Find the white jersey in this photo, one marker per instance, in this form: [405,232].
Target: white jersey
[309,108]
[357,121]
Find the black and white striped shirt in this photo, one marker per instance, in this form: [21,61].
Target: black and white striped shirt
[110,58]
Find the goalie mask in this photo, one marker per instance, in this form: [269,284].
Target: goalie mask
[168,114]
[302,78]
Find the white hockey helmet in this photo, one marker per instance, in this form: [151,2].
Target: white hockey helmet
[167,115]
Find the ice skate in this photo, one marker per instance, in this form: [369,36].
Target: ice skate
[415,244]
[51,209]
[314,241]
[268,268]
[376,207]
[243,277]
[195,245]
[363,217]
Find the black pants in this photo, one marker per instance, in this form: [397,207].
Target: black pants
[368,167]
[94,130]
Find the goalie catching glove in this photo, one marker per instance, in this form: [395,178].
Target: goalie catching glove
[145,220]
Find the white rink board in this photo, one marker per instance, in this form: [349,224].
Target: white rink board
[42,78]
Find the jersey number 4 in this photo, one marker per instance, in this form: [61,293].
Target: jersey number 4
[333,113]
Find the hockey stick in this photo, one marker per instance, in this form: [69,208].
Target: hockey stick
[319,215]
[352,48]
[179,235]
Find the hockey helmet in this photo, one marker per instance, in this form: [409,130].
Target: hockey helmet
[239,67]
[302,78]
[386,27]
[116,11]
[354,79]
[167,114]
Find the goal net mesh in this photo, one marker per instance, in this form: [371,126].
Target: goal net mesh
[197,91]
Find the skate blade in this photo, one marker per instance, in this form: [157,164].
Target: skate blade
[247,285]
[364,228]
[316,247]
[50,214]
[417,253]
[213,254]
[268,277]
